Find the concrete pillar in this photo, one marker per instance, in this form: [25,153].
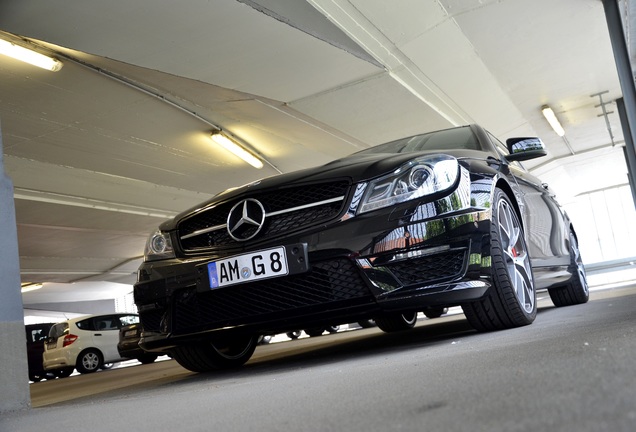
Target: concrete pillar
[629,149]
[14,381]
[624,70]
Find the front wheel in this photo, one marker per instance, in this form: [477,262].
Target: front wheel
[396,322]
[512,300]
[576,291]
[209,356]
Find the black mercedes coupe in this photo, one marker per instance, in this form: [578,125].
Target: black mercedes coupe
[447,218]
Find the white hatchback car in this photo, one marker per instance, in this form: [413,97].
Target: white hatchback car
[87,343]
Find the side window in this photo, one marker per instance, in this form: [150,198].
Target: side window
[106,323]
[128,319]
[58,330]
[86,324]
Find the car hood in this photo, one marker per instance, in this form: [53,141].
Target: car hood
[356,168]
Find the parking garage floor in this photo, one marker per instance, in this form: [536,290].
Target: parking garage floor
[572,370]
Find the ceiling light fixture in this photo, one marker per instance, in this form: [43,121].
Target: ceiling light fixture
[29,56]
[551,118]
[237,149]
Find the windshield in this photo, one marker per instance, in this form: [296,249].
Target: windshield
[58,330]
[448,139]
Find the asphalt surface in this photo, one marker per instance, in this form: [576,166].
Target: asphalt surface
[574,369]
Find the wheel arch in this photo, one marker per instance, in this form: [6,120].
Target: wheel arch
[85,350]
[507,189]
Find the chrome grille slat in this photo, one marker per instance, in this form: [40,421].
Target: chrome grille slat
[285,209]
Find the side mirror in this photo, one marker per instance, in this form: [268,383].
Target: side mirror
[521,149]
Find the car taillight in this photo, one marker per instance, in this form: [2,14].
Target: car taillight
[69,339]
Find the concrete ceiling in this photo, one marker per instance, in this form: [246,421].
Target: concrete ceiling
[117,141]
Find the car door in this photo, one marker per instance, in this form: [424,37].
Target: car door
[546,231]
[106,336]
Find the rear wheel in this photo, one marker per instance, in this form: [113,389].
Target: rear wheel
[366,323]
[147,358]
[333,329]
[294,334]
[434,312]
[511,301]
[396,322]
[264,340]
[576,291]
[208,356]
[88,361]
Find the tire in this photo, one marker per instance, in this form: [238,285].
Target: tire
[434,312]
[333,329]
[313,332]
[512,299]
[208,356]
[367,323]
[294,334]
[576,291]
[63,373]
[88,361]
[396,322]
[265,339]
[147,358]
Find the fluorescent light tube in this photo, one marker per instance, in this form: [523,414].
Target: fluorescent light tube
[231,146]
[29,56]
[554,122]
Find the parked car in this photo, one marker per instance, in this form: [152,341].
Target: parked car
[36,335]
[128,345]
[318,331]
[441,219]
[86,343]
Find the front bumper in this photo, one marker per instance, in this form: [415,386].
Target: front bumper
[359,268]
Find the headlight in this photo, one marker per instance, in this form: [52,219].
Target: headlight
[158,247]
[420,177]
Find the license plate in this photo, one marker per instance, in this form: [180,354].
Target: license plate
[249,267]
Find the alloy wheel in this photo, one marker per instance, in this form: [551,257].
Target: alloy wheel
[516,255]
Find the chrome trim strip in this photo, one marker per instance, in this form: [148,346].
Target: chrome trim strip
[302,207]
[203,231]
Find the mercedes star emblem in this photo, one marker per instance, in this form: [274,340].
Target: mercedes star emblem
[245,219]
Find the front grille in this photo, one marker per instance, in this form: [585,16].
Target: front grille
[151,320]
[430,268]
[302,198]
[326,283]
